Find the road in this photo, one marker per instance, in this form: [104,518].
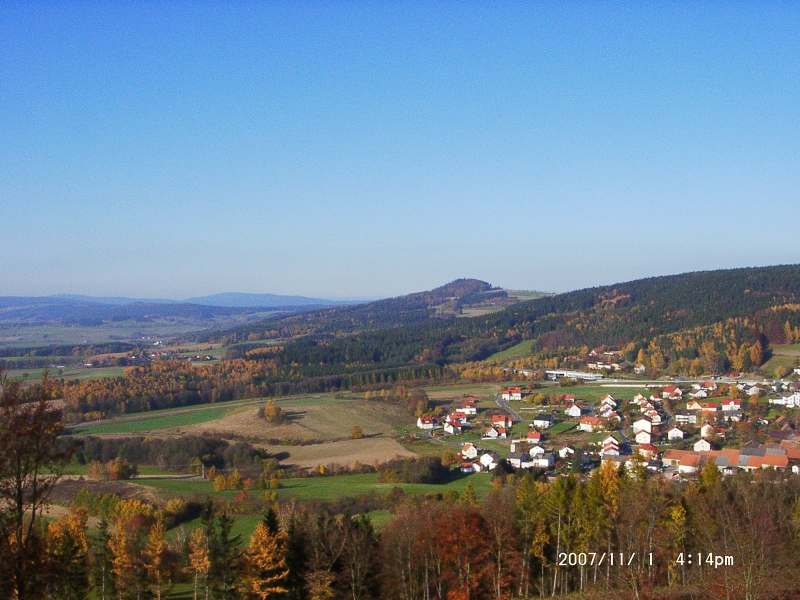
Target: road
[504,404]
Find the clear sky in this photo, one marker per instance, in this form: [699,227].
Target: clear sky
[374,148]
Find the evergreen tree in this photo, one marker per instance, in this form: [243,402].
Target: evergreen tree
[296,557]
[224,558]
[102,566]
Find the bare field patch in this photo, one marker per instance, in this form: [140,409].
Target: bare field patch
[325,421]
[345,452]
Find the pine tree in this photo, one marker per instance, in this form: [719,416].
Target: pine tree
[266,572]
[102,563]
[296,557]
[225,558]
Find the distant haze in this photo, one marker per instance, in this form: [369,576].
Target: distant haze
[340,150]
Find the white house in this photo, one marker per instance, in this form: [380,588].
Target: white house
[488,461]
[566,452]
[512,393]
[639,369]
[701,446]
[610,450]
[520,460]
[686,417]
[426,422]
[452,427]
[469,451]
[543,461]
[573,411]
[675,434]
[542,421]
[707,431]
[609,400]
[494,433]
[642,437]
[590,423]
[643,425]
[536,451]
[729,404]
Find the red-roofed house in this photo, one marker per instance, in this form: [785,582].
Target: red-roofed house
[590,423]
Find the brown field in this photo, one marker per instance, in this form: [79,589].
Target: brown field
[323,421]
[315,431]
[345,452]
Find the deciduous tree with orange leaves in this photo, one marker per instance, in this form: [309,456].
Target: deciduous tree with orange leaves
[265,564]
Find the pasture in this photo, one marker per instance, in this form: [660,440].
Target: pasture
[327,488]
[68,373]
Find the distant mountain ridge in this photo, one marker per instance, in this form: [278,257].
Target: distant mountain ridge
[443,302]
[252,300]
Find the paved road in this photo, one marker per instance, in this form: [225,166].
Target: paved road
[507,407]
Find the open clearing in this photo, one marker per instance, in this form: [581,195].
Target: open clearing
[305,420]
[524,348]
[326,488]
[68,373]
[786,356]
[345,452]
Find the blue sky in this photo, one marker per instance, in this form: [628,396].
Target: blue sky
[367,149]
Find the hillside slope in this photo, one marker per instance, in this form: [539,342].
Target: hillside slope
[613,315]
[442,302]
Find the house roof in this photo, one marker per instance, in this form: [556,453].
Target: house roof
[684,457]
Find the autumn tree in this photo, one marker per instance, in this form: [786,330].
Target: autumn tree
[155,557]
[273,413]
[67,556]
[31,460]
[198,559]
[265,570]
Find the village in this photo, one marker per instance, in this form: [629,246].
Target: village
[666,430]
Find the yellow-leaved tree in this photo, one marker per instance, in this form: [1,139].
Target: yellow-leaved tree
[155,554]
[199,561]
[265,564]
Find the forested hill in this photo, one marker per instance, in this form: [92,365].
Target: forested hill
[443,301]
[634,311]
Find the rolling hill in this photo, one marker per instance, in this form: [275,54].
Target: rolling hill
[630,312]
[244,300]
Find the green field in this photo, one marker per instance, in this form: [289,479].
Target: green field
[524,348]
[183,416]
[144,470]
[560,428]
[325,488]
[786,356]
[154,422]
[593,393]
[69,373]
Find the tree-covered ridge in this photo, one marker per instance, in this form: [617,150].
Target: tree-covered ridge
[694,323]
[390,312]
[612,315]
